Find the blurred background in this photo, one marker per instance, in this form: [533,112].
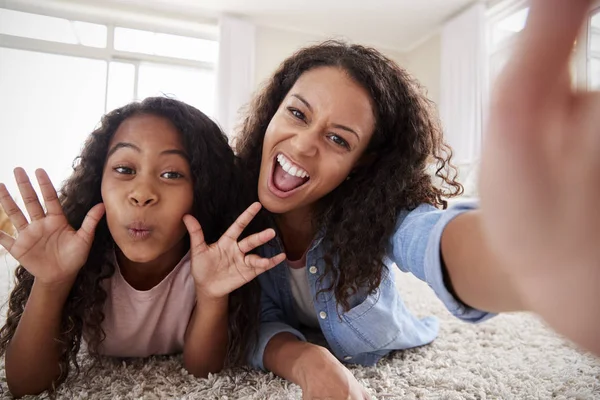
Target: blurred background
[65,63]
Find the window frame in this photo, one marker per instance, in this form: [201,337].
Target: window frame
[205,29]
[582,55]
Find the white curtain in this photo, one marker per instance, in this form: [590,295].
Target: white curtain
[463,82]
[235,71]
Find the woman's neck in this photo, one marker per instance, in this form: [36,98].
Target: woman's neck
[297,232]
[145,276]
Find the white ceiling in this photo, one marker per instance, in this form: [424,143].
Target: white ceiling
[393,24]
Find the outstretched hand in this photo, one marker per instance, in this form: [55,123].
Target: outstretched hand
[222,267]
[539,180]
[47,247]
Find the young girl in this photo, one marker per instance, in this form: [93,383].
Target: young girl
[141,279]
[339,143]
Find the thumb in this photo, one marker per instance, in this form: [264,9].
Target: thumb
[196,235]
[88,227]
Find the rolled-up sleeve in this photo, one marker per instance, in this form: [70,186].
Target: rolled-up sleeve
[415,247]
[272,322]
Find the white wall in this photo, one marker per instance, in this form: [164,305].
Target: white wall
[275,45]
[424,63]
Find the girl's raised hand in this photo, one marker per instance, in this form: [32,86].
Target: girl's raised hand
[540,180]
[220,268]
[47,247]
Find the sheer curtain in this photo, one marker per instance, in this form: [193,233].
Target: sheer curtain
[463,66]
[235,70]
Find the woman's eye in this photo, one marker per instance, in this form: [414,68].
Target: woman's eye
[124,170]
[339,141]
[171,175]
[297,113]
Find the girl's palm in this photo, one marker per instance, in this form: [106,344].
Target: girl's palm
[224,266]
[48,247]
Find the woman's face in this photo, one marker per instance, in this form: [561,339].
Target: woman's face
[314,140]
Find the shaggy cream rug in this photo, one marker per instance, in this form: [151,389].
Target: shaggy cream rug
[512,356]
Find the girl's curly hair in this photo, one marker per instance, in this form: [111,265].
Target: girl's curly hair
[360,215]
[216,183]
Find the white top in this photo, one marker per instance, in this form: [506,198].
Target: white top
[303,299]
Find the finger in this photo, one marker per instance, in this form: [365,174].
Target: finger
[196,235]
[90,222]
[236,229]
[6,241]
[28,194]
[545,47]
[12,209]
[49,194]
[261,264]
[258,239]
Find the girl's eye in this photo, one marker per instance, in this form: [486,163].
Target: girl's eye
[171,175]
[297,113]
[339,141]
[124,170]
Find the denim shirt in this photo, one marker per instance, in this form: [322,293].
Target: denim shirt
[375,324]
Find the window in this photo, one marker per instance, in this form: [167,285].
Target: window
[505,21]
[46,113]
[59,75]
[508,18]
[162,44]
[52,29]
[593,51]
[508,26]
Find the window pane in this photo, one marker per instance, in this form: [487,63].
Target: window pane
[92,35]
[46,113]
[594,44]
[186,47]
[594,74]
[162,44]
[509,26]
[121,79]
[191,85]
[596,20]
[51,29]
[134,40]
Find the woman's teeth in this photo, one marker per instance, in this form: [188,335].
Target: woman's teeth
[290,168]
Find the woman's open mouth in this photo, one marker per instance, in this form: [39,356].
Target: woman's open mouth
[286,177]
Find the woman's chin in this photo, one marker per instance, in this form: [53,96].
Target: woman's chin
[271,202]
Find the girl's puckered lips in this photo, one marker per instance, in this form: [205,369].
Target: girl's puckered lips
[139,230]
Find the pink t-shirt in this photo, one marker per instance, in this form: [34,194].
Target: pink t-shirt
[144,323]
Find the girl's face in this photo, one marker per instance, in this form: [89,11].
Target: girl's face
[314,140]
[147,189]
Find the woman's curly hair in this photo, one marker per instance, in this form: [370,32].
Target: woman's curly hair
[360,215]
[216,183]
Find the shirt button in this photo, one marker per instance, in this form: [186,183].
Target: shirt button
[348,358]
[323,314]
[313,270]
